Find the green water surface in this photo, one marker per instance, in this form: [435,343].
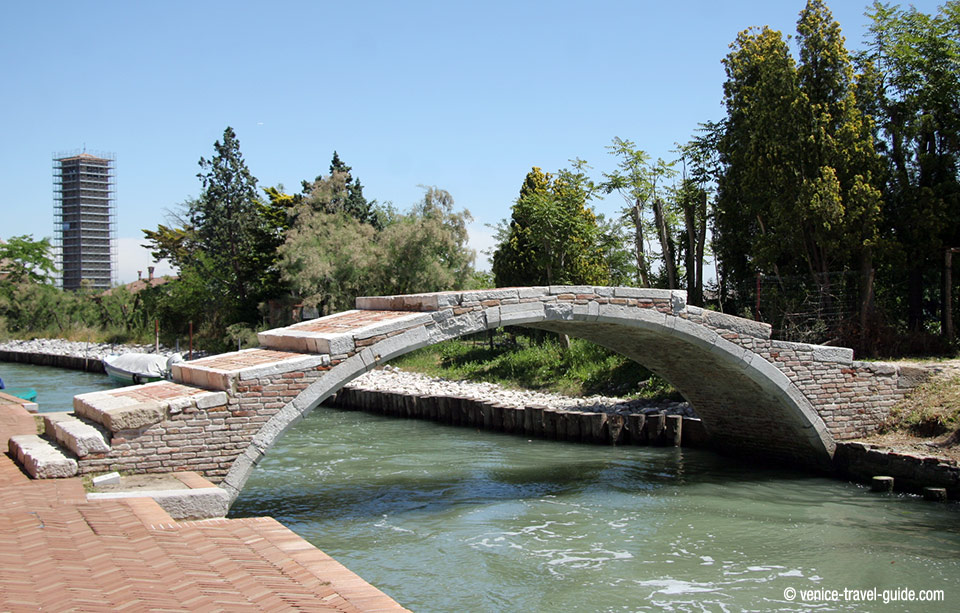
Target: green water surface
[55,387]
[450,519]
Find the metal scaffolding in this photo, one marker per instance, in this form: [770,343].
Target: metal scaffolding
[84,220]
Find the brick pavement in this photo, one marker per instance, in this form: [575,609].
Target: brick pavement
[244,359]
[60,552]
[349,321]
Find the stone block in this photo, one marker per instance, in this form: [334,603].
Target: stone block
[526,312]
[739,325]
[180,504]
[107,479]
[492,317]
[133,417]
[211,399]
[78,436]
[586,312]
[823,353]
[533,292]
[558,311]
[40,458]
[556,290]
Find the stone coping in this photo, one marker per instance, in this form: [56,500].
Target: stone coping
[439,300]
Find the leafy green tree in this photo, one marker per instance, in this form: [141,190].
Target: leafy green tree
[23,259]
[757,152]
[330,258]
[514,258]
[230,229]
[912,84]
[641,185]
[426,249]
[341,191]
[553,236]
[839,199]
[224,244]
[798,192]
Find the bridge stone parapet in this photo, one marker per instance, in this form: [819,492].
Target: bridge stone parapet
[779,400]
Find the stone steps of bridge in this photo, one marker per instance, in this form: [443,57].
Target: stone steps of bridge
[341,333]
[141,406]
[41,458]
[222,372]
[82,437]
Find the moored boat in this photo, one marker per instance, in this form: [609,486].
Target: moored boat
[139,367]
[27,393]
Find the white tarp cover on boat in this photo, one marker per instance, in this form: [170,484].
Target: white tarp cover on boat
[146,364]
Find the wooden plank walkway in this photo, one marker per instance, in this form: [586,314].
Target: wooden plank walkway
[60,552]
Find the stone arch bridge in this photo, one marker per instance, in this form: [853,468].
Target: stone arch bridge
[219,416]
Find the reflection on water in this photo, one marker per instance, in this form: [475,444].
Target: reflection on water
[454,519]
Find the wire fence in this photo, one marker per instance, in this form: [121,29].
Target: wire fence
[808,309]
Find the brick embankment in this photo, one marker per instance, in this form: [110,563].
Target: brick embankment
[62,552]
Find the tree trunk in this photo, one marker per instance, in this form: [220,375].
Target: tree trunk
[665,247]
[701,243]
[866,302]
[946,314]
[691,254]
[638,245]
[915,297]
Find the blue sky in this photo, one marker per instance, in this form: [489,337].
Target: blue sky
[466,96]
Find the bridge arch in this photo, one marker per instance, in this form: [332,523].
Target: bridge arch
[718,362]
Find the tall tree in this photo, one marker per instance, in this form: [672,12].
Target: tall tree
[341,191]
[757,152]
[698,159]
[642,186]
[798,192]
[913,85]
[553,236]
[224,244]
[330,258]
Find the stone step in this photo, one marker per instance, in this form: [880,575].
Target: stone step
[79,436]
[222,372]
[41,458]
[140,406]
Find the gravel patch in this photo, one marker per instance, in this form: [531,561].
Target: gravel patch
[56,346]
[392,379]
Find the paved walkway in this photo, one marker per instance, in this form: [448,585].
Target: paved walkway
[60,552]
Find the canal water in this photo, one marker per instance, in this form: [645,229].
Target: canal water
[55,387]
[452,519]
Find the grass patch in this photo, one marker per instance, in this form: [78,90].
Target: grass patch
[932,410]
[538,362]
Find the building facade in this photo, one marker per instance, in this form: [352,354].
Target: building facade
[84,223]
